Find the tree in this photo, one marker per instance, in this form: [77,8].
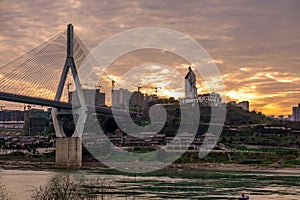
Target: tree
[63,188]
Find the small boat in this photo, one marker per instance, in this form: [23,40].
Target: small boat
[244,197]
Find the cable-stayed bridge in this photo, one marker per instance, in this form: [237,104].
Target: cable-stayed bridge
[34,78]
[39,77]
[36,74]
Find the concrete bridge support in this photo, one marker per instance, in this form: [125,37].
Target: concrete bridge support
[69,149]
[69,152]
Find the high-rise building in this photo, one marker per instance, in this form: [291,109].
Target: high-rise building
[296,113]
[120,98]
[93,97]
[124,99]
[11,115]
[231,103]
[244,105]
[136,100]
[295,116]
[148,99]
[36,125]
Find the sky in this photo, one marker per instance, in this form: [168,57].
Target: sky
[254,43]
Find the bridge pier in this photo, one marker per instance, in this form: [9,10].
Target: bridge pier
[69,149]
[69,152]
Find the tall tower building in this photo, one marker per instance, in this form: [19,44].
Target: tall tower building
[121,98]
[190,84]
[93,97]
[295,114]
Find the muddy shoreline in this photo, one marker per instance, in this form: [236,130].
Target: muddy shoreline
[27,165]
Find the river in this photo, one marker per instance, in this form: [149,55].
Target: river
[167,184]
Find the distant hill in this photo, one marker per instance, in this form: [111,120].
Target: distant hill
[238,116]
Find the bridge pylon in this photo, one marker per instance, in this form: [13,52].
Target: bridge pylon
[69,148]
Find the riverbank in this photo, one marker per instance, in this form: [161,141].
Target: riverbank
[237,167]
[27,165]
[274,160]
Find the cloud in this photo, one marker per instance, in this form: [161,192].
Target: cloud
[255,43]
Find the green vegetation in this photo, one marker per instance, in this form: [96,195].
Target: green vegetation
[238,116]
[19,156]
[252,137]
[292,162]
[278,157]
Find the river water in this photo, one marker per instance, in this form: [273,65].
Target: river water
[167,184]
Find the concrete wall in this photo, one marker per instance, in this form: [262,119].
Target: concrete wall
[69,152]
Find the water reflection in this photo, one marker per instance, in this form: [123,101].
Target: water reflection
[166,184]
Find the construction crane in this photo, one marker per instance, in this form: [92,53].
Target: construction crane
[68,86]
[155,89]
[139,87]
[113,84]
[112,80]
[70,83]
[98,87]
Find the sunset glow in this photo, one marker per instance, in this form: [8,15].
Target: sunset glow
[257,52]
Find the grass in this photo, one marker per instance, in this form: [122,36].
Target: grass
[292,162]
[286,158]
[19,156]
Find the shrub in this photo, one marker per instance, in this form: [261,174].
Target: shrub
[63,188]
[251,162]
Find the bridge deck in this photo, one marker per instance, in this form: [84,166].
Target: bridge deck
[55,104]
